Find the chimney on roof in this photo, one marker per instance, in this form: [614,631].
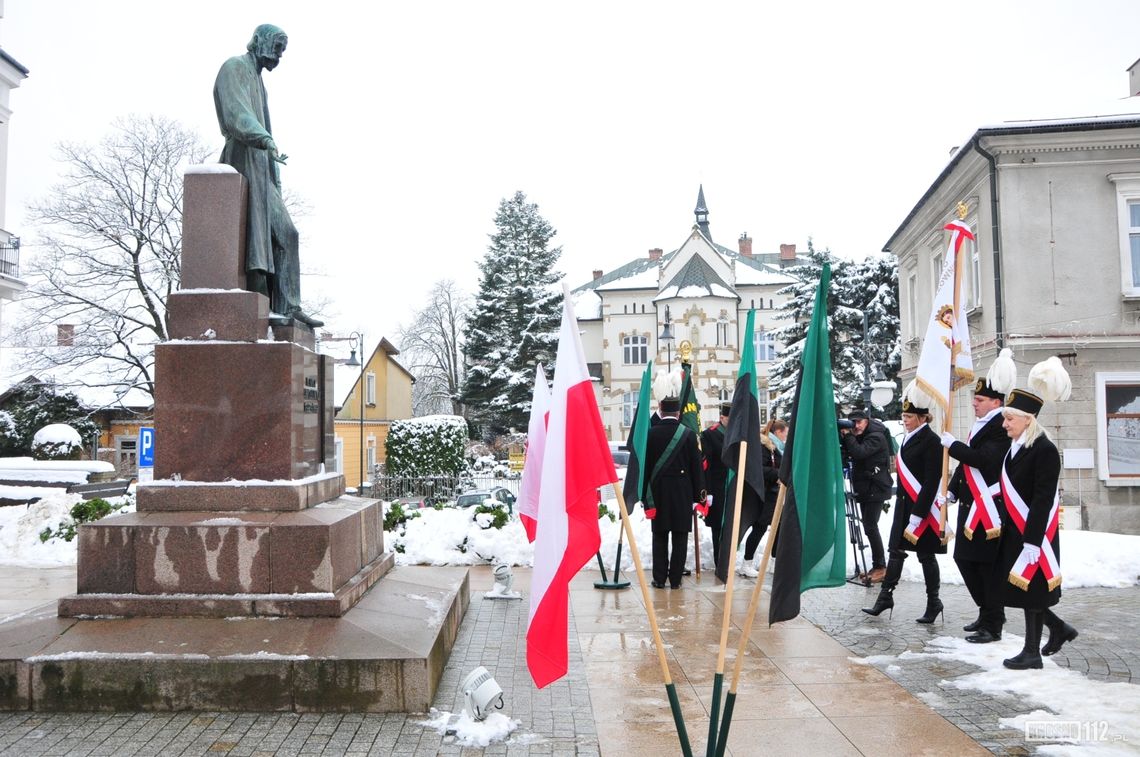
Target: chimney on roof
[65,335]
[787,253]
[655,253]
[597,274]
[745,243]
[1134,79]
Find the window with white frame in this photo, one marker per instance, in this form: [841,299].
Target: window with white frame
[635,349]
[764,342]
[974,275]
[936,272]
[340,455]
[1118,427]
[628,408]
[370,395]
[725,394]
[371,456]
[722,333]
[912,303]
[1128,224]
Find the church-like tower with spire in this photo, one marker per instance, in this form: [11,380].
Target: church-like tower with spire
[704,291]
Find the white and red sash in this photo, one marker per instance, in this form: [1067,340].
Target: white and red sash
[913,487]
[984,511]
[1022,572]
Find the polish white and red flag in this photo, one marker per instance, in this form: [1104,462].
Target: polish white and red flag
[575,462]
[531,480]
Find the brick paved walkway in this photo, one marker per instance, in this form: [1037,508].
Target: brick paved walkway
[558,720]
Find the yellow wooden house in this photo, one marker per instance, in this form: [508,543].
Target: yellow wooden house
[370,395]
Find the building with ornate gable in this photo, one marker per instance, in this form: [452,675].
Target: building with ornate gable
[703,290]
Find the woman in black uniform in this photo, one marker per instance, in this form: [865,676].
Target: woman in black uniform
[1030,552]
[916,526]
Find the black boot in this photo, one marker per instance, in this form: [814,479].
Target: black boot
[931,576]
[1059,633]
[886,599]
[1030,656]
[971,627]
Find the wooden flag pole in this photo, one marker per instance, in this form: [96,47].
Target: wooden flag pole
[718,677]
[670,689]
[753,606]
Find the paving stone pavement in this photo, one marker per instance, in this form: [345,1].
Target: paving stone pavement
[1108,648]
[558,721]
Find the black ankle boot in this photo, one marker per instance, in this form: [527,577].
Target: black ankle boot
[1059,633]
[934,608]
[1030,657]
[885,601]
[932,577]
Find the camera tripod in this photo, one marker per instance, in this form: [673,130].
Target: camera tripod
[855,534]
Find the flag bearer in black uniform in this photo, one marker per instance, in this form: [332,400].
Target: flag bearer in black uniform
[1030,558]
[716,477]
[975,485]
[916,525]
[676,484]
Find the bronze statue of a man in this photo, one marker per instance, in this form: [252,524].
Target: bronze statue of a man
[272,244]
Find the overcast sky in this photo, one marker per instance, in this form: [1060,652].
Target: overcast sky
[406,123]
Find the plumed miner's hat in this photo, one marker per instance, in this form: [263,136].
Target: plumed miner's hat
[667,384]
[1001,378]
[726,409]
[1048,382]
[911,398]
[670,405]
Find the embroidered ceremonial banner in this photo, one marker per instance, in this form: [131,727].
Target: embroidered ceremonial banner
[945,363]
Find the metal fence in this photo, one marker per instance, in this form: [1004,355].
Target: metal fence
[10,258]
[435,488]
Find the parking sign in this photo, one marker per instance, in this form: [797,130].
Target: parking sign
[146,447]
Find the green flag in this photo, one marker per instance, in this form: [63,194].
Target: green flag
[690,408]
[633,490]
[811,550]
[743,426]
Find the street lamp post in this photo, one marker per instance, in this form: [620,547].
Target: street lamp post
[878,392]
[358,337]
[667,337]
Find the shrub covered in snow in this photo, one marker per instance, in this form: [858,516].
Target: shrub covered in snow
[84,511]
[428,446]
[57,441]
[30,406]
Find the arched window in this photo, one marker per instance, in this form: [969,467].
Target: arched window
[635,349]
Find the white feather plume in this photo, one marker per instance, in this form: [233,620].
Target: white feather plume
[918,397]
[667,383]
[1049,380]
[1002,375]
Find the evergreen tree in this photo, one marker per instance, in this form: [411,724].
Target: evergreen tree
[516,317]
[841,320]
[32,405]
[873,284]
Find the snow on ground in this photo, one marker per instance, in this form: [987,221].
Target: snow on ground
[20,527]
[1091,717]
[471,732]
[60,471]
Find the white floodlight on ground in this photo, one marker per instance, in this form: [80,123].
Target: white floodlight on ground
[504,578]
[481,693]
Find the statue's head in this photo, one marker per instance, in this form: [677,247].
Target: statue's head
[267,45]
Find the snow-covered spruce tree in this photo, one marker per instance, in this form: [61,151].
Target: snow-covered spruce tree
[873,284]
[842,319]
[33,405]
[428,446]
[516,317]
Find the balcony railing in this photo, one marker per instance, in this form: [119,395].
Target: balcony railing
[10,257]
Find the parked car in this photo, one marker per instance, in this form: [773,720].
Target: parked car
[475,497]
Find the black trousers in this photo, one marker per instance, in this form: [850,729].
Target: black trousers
[715,533]
[666,565]
[869,512]
[981,580]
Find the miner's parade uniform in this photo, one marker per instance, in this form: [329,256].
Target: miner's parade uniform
[1030,556]
[975,485]
[716,478]
[676,483]
[916,526]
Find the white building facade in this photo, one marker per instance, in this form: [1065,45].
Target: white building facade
[704,291]
[11,285]
[1054,270]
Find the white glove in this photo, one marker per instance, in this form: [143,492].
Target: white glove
[708,500]
[915,522]
[1031,553]
[940,501]
[947,439]
[951,497]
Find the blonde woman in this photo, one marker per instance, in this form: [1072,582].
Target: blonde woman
[1030,552]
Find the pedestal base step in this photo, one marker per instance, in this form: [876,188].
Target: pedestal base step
[386,654]
[312,605]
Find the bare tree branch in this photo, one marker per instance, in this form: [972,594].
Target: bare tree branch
[431,348]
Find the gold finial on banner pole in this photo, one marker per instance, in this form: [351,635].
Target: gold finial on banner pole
[963,210]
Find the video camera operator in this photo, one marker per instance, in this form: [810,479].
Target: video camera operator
[868,447]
